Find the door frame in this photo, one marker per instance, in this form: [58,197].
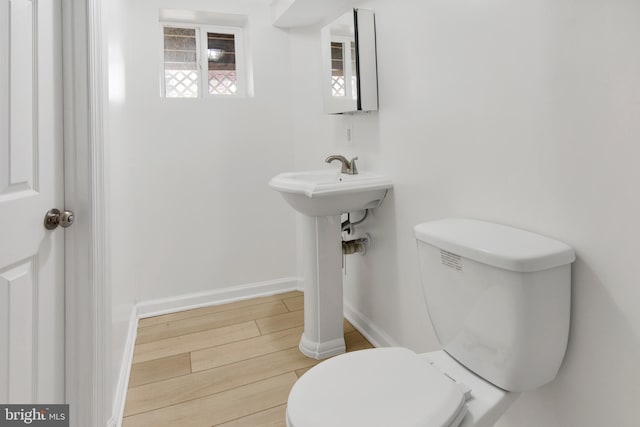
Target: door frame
[87,300]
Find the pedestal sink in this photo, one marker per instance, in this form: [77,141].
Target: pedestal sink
[321,197]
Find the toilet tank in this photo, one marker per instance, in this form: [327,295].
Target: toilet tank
[498,298]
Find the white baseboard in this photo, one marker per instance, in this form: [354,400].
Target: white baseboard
[367,328]
[125,371]
[219,296]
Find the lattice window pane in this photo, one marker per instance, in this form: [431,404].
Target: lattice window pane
[181,72]
[337,85]
[181,83]
[221,57]
[222,82]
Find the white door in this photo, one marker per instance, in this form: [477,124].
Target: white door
[31,183]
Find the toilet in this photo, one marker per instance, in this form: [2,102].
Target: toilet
[499,302]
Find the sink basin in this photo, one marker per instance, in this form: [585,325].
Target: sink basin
[329,192]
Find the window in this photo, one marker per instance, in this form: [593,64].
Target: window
[202,61]
[181,70]
[222,74]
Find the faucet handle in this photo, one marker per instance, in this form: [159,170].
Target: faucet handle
[354,168]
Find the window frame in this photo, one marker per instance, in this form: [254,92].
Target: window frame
[202,62]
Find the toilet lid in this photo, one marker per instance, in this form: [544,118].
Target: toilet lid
[375,388]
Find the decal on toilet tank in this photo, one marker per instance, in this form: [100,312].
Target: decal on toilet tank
[451,260]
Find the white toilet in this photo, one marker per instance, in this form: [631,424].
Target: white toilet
[499,301]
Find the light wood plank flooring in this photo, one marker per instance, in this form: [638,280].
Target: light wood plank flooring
[229,365]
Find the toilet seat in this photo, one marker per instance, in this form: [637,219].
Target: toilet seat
[375,388]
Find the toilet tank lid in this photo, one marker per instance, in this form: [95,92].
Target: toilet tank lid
[495,244]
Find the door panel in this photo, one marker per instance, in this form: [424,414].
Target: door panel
[31,179]
[17,288]
[21,116]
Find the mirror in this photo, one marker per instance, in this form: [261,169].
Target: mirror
[350,76]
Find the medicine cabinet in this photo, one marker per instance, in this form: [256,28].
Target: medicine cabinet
[350,75]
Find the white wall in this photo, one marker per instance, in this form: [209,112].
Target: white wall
[189,209]
[522,113]
[190,196]
[122,295]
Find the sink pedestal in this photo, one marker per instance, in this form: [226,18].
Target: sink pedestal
[322,263]
[320,197]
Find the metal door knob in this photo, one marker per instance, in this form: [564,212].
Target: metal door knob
[55,218]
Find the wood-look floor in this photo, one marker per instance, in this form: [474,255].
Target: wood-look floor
[229,365]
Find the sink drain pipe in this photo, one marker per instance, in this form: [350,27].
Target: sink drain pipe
[356,246]
[348,225]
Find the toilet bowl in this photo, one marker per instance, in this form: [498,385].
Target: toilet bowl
[395,387]
[499,302]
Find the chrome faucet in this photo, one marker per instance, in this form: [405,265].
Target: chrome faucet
[348,167]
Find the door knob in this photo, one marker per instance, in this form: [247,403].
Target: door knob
[55,218]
